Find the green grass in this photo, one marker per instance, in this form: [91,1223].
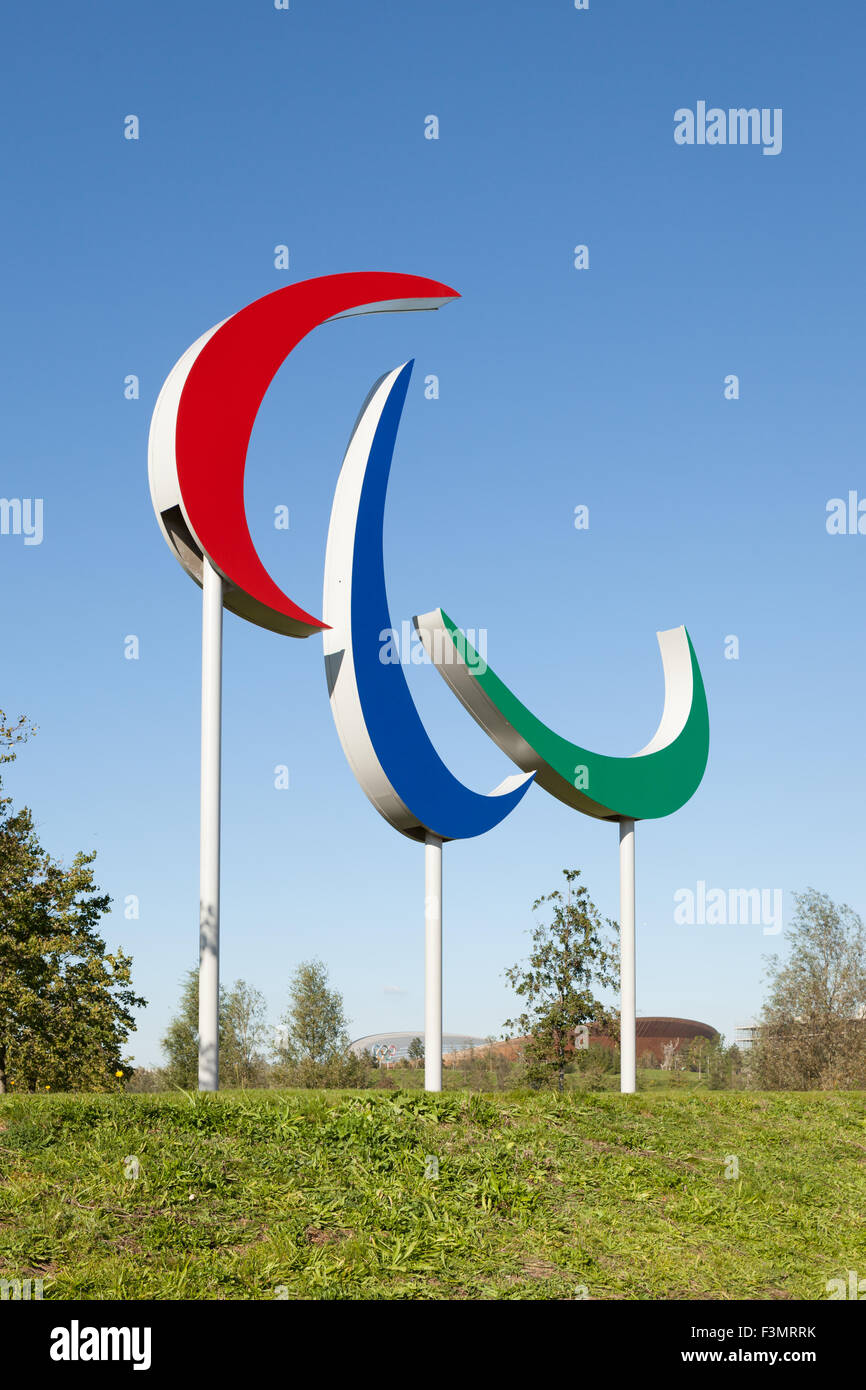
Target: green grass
[324,1195]
[460,1078]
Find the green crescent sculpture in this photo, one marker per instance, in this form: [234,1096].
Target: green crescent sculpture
[653,782]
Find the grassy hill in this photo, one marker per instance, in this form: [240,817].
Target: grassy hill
[264,1195]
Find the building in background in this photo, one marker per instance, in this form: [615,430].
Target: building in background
[747,1034]
[663,1038]
[390,1048]
[659,1041]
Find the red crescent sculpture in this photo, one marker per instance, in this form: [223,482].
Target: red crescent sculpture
[205,415]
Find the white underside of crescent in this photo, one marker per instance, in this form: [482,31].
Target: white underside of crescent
[679,689]
[161,455]
[337,612]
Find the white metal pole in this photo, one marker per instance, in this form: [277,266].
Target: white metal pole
[432,963]
[628,1078]
[209,863]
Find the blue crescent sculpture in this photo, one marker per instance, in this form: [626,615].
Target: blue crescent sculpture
[380,729]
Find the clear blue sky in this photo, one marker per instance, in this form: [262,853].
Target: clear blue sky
[557,387]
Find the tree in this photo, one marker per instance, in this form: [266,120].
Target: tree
[416,1051]
[180,1043]
[698,1055]
[246,1032]
[242,1036]
[713,1061]
[724,1066]
[813,1028]
[65,1002]
[315,1043]
[570,955]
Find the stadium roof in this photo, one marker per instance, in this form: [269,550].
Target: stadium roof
[451,1042]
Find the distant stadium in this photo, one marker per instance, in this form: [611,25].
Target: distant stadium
[654,1034]
[656,1038]
[380,1044]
